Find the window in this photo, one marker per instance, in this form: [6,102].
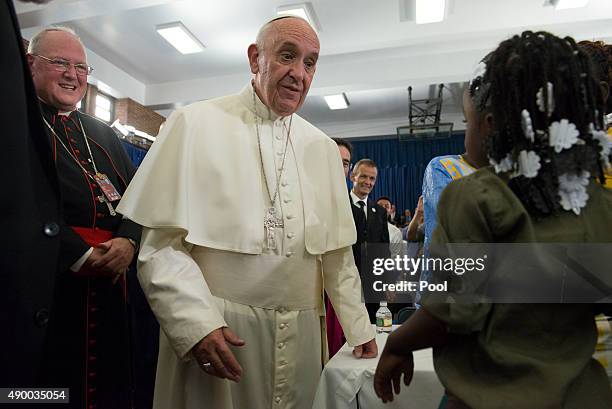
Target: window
[103,107]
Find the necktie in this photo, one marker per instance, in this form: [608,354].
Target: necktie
[361,205]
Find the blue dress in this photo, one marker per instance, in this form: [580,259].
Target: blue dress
[440,171]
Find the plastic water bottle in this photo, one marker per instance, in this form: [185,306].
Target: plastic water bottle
[384,319]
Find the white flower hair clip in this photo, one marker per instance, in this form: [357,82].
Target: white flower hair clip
[479,71]
[505,165]
[562,135]
[551,99]
[606,146]
[572,190]
[528,164]
[527,125]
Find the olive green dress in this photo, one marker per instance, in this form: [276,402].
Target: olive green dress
[518,356]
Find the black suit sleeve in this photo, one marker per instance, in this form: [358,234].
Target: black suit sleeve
[130,230]
[385,230]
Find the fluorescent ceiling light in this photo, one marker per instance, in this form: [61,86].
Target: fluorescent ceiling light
[430,11]
[303,10]
[180,38]
[337,101]
[568,4]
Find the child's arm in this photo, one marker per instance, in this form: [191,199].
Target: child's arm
[421,330]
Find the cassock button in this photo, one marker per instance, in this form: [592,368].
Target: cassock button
[287,200]
[279,137]
[290,235]
[289,254]
[41,318]
[277,399]
[289,216]
[281,345]
[51,229]
[283,325]
[284,183]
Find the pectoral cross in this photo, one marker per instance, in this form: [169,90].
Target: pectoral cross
[103,199]
[271,222]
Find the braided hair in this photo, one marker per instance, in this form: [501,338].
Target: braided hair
[538,86]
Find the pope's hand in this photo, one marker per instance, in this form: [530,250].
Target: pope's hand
[367,350]
[215,357]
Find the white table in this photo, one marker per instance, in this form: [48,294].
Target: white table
[347,383]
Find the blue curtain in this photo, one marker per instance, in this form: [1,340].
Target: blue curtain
[401,164]
[135,153]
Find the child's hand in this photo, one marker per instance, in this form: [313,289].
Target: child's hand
[389,371]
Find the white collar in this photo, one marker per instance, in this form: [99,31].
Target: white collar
[357,198]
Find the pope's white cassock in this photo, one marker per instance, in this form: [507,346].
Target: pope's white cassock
[203,263]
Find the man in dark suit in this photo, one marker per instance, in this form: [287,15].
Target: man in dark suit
[372,231]
[29,216]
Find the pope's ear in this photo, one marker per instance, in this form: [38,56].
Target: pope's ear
[253,54]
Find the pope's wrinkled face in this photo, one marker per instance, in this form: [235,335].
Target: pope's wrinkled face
[62,90]
[284,64]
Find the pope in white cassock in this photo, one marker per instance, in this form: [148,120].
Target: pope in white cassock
[245,220]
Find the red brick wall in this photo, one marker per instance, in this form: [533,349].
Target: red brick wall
[130,112]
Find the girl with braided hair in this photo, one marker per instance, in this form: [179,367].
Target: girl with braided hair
[601,56]
[547,149]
